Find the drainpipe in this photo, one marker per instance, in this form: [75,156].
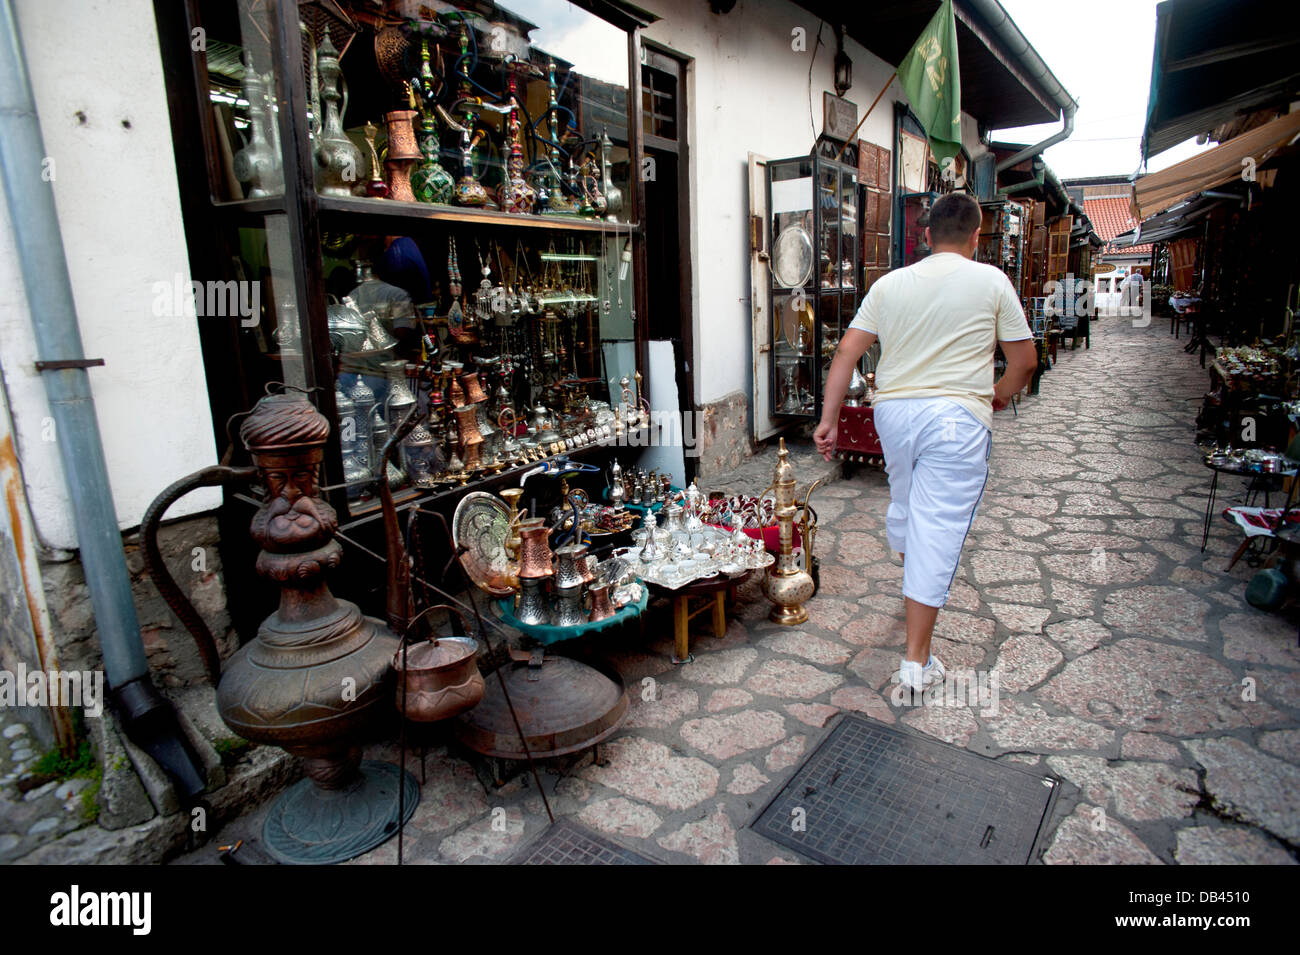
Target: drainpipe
[1014,42]
[147,717]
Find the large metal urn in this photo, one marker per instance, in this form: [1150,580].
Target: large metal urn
[317,673]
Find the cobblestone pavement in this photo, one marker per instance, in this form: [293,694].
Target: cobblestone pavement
[1128,662]
[29,819]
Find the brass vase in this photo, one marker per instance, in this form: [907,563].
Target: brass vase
[473,389]
[471,442]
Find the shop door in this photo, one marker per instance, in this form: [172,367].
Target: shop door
[760,404]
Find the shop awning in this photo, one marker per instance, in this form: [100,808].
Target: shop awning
[1183,219]
[1214,167]
[997,87]
[1214,60]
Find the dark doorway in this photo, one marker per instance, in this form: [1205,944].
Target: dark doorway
[667,214]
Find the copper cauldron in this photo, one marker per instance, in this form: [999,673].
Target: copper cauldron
[437,678]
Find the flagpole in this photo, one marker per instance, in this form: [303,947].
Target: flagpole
[891,79]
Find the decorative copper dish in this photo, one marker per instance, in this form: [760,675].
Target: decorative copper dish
[481,524]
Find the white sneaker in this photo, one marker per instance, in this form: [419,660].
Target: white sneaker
[918,678]
[912,676]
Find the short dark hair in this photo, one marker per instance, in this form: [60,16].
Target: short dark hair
[954,217]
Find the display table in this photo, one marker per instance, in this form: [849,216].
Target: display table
[1259,481]
[713,594]
[546,634]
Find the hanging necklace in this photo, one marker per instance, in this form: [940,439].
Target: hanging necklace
[604,283]
[455,314]
[483,297]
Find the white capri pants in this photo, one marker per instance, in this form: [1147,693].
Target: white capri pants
[937,459]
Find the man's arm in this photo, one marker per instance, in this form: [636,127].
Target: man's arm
[1022,362]
[852,347]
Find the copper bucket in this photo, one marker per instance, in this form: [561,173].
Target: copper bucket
[437,678]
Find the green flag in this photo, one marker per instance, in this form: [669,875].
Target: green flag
[930,78]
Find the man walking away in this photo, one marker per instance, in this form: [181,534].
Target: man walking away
[937,322]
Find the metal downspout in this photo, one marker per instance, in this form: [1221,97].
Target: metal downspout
[148,718]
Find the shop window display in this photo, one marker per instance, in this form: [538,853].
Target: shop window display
[437,203]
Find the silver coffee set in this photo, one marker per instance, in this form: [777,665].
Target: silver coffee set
[686,549]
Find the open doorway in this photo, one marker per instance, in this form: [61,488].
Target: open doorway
[667,213]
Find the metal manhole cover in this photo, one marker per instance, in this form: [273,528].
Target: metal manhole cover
[873,794]
[567,843]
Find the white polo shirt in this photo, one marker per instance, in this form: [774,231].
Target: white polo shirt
[938,322]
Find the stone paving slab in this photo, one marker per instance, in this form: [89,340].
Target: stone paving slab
[1128,662]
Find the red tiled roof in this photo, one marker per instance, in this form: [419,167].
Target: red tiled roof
[1109,218]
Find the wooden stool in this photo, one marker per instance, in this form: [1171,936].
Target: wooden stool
[712,595]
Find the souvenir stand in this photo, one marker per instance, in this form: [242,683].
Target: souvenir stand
[436,212]
[436,222]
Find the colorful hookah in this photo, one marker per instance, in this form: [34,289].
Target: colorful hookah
[430,181]
[515,194]
[560,203]
[469,191]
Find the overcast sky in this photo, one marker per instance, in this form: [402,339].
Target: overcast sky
[1101,53]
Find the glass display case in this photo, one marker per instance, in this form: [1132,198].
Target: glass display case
[813,237]
[430,206]
[915,216]
[1002,238]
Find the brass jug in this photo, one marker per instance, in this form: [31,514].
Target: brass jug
[787,584]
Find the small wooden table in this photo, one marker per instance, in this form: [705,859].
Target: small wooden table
[713,594]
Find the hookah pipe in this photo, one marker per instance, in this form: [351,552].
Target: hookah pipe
[219,475]
[400,608]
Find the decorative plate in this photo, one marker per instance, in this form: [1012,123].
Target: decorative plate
[481,523]
[792,257]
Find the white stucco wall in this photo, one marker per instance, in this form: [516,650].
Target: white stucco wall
[748,90]
[119,212]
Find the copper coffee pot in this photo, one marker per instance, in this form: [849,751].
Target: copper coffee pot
[403,153]
[601,608]
[535,551]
